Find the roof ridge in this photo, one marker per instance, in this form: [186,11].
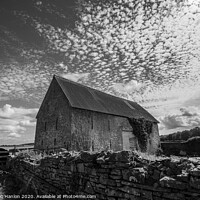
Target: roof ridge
[79,84]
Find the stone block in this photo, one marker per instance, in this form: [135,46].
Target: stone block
[103,171]
[93,172]
[111,182]
[195,172]
[112,193]
[115,177]
[126,174]
[183,177]
[147,194]
[156,174]
[194,182]
[99,190]
[126,183]
[73,167]
[94,179]
[172,183]
[87,156]
[130,190]
[100,160]
[89,189]
[115,172]
[103,179]
[112,198]
[100,186]
[174,196]
[80,167]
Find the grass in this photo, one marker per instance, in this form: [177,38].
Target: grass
[147,156]
[31,155]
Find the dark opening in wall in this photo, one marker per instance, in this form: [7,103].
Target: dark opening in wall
[42,143]
[92,145]
[45,126]
[92,125]
[57,124]
[54,141]
[108,125]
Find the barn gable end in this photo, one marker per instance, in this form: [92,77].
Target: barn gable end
[53,128]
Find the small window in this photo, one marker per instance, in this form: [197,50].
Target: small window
[110,144]
[45,126]
[92,123]
[55,142]
[108,125]
[42,143]
[57,124]
[92,145]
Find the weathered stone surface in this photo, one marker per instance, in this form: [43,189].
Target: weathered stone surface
[116,172]
[80,167]
[156,174]
[120,156]
[175,196]
[87,157]
[147,195]
[100,160]
[195,182]
[103,179]
[172,183]
[111,182]
[184,177]
[194,172]
[89,189]
[126,174]
[128,189]
[115,177]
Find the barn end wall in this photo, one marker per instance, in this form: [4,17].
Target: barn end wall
[53,121]
[154,140]
[97,131]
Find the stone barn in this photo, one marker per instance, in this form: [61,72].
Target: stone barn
[76,117]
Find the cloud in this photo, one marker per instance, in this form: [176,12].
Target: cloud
[27,123]
[13,121]
[76,76]
[187,117]
[128,87]
[14,135]
[13,112]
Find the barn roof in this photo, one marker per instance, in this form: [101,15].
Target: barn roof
[87,98]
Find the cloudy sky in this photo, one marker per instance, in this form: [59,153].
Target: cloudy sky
[147,51]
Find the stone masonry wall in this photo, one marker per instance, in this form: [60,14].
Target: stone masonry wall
[97,131]
[113,176]
[153,140]
[53,128]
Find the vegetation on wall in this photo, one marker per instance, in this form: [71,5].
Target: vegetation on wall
[142,129]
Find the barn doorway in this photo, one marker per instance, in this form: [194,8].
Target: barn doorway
[129,141]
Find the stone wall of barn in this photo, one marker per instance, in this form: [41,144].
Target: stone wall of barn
[153,139]
[97,131]
[53,121]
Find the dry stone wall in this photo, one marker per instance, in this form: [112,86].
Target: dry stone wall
[113,176]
